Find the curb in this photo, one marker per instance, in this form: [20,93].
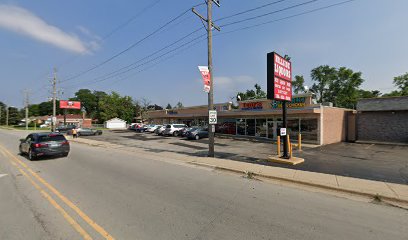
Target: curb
[386,199]
[390,200]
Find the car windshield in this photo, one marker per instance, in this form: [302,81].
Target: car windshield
[168,126]
[51,137]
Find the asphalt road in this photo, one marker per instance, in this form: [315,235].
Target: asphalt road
[386,163]
[98,192]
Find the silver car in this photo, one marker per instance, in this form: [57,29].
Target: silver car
[173,129]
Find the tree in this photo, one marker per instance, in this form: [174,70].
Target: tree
[323,76]
[298,84]
[258,93]
[154,107]
[179,105]
[168,106]
[401,82]
[113,105]
[2,113]
[345,88]
[369,94]
[88,101]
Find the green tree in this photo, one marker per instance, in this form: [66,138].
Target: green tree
[258,93]
[2,113]
[401,82]
[168,106]
[323,76]
[113,105]
[344,90]
[369,94]
[178,105]
[298,84]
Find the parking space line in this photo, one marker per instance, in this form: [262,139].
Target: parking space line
[85,217]
[67,217]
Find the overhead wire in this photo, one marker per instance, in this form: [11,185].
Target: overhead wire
[120,72]
[131,46]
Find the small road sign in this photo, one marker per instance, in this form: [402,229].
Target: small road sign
[212,117]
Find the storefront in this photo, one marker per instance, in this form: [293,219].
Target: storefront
[261,118]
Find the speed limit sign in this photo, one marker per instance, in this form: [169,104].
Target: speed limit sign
[212,117]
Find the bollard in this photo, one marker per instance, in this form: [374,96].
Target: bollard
[288,141]
[300,142]
[278,143]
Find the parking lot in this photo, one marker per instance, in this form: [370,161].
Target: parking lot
[368,161]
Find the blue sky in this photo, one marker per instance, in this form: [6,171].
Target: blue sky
[365,35]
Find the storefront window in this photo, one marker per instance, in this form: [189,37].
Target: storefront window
[293,127]
[271,129]
[226,126]
[261,127]
[309,129]
[250,123]
[241,126]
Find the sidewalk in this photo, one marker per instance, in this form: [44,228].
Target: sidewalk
[396,194]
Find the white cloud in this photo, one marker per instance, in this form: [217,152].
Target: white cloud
[24,22]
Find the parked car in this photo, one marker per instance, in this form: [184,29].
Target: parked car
[65,128]
[184,131]
[44,144]
[160,130]
[173,129]
[44,125]
[151,128]
[197,133]
[88,132]
[141,128]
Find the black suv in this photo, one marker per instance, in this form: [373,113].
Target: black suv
[44,144]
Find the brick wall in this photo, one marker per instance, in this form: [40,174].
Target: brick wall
[334,125]
[387,126]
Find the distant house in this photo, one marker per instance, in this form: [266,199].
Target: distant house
[115,123]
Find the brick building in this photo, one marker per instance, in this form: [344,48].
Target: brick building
[383,119]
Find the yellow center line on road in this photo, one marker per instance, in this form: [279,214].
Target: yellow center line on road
[85,217]
[67,217]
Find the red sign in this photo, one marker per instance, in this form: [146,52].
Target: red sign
[279,78]
[252,106]
[205,73]
[70,104]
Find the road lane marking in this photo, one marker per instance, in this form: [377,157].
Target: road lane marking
[3,175]
[67,217]
[85,217]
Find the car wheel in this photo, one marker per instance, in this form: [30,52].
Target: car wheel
[65,154]
[197,137]
[21,150]
[175,133]
[30,155]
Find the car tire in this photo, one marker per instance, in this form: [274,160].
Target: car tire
[30,155]
[20,150]
[197,137]
[175,133]
[65,155]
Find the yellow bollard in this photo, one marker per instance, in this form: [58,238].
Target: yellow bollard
[278,143]
[288,142]
[290,147]
[300,142]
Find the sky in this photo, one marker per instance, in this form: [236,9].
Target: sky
[91,43]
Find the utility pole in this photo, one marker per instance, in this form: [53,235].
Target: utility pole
[26,103]
[210,25]
[0,115]
[54,100]
[7,115]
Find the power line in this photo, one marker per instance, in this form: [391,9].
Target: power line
[108,76]
[288,17]
[249,10]
[269,13]
[130,19]
[150,55]
[131,46]
[118,73]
